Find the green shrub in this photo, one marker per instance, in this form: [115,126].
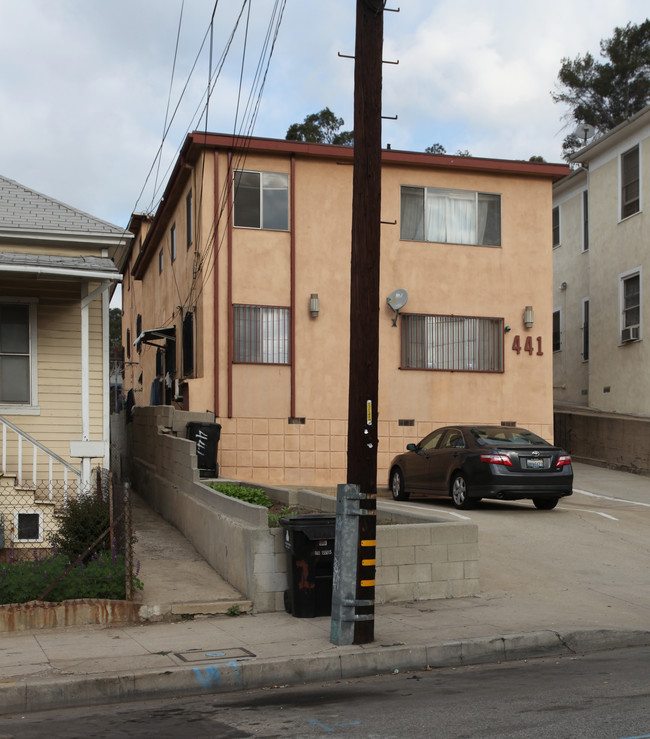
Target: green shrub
[103,576]
[256,496]
[83,521]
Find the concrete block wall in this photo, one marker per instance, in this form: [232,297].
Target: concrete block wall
[418,557]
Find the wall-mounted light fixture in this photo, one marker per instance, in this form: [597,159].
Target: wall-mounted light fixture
[506,329]
[562,287]
[314,305]
[529,316]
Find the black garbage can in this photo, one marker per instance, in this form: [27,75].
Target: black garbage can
[206,437]
[309,540]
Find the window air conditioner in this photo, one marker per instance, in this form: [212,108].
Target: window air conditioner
[631,333]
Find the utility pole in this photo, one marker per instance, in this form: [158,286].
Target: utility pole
[364,298]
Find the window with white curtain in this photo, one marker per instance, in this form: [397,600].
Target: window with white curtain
[450,216]
[261,334]
[453,343]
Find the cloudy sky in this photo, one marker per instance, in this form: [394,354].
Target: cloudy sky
[86,86]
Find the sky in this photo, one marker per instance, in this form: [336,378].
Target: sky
[88,87]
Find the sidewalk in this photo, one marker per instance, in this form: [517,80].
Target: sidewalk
[94,664]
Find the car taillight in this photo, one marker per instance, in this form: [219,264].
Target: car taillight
[563,460]
[496,459]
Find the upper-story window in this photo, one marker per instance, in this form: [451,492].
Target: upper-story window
[556,226]
[18,355]
[161,260]
[261,200]
[189,220]
[172,242]
[630,182]
[450,216]
[630,302]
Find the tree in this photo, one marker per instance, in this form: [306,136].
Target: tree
[440,149]
[604,94]
[321,128]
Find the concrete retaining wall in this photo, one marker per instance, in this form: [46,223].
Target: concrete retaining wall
[418,558]
[620,442]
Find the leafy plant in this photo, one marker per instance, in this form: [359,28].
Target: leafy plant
[83,521]
[103,576]
[233,611]
[256,496]
[274,518]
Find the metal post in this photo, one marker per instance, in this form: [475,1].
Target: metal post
[344,583]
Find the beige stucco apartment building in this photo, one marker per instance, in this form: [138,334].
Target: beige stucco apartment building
[601,259]
[236,300]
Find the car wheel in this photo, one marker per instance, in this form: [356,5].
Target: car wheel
[397,485]
[545,504]
[459,494]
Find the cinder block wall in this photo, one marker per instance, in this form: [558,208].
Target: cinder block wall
[418,558]
[621,442]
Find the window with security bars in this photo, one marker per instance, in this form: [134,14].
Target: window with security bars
[452,343]
[630,182]
[261,334]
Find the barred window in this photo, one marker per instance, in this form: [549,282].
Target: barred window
[261,334]
[452,343]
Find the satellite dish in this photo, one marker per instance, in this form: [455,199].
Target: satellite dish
[584,131]
[397,300]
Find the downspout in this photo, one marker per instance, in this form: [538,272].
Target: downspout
[85,380]
[230,307]
[106,372]
[215,308]
[292,310]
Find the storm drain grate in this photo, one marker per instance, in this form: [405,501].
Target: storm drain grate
[214,655]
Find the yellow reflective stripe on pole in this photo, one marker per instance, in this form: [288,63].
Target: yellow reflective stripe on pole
[367,583]
[368,542]
[368,562]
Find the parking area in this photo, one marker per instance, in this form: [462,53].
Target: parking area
[586,562]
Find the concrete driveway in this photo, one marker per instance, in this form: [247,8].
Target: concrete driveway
[584,564]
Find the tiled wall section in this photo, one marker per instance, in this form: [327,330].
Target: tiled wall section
[314,453]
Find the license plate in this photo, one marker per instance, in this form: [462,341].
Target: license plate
[535,464]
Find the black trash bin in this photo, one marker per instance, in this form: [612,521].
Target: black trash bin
[206,437]
[309,540]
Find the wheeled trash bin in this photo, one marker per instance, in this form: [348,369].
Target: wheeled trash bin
[309,540]
[206,437]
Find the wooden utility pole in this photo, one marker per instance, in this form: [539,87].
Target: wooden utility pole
[364,295]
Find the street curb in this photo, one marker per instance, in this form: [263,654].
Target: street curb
[62,691]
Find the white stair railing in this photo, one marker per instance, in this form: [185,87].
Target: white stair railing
[52,457]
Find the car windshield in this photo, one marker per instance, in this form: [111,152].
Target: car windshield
[505,436]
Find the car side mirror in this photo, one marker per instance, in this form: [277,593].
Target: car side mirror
[411,448]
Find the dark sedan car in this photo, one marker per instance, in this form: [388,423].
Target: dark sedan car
[473,462]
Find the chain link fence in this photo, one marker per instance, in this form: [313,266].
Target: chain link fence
[60,539]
